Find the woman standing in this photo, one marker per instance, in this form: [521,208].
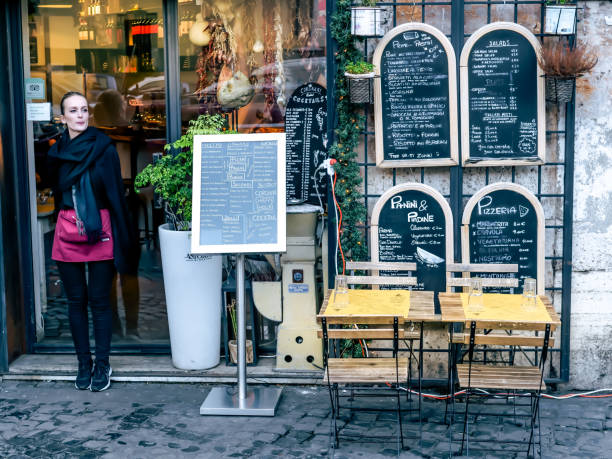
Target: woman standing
[93,231]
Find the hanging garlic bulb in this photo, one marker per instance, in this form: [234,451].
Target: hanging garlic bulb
[198,34]
[258,47]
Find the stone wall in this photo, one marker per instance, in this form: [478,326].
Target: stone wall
[591,318]
[591,331]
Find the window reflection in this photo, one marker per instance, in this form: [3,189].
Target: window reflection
[112,51]
[245,58]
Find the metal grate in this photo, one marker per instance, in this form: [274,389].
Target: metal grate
[552,182]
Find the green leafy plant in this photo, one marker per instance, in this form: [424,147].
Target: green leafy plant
[359,67]
[368,2]
[171,176]
[350,123]
[231,312]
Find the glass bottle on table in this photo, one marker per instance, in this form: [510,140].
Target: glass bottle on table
[529,294]
[341,293]
[475,298]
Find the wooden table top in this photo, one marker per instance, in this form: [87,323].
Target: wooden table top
[451,306]
[417,306]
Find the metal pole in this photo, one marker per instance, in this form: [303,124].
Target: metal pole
[241,312]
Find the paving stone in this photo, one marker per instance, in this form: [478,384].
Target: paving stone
[157,420]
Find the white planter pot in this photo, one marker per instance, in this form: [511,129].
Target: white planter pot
[193,301]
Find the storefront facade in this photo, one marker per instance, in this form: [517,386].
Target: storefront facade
[148,69]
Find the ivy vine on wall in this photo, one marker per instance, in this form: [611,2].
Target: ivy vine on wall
[347,136]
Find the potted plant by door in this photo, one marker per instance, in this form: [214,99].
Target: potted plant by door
[232,344]
[360,77]
[367,20]
[192,283]
[562,65]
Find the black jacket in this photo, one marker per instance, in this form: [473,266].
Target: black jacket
[109,192]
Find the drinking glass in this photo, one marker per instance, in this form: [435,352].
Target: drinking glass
[529,293]
[341,293]
[475,300]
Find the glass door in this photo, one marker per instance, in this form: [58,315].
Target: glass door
[112,51]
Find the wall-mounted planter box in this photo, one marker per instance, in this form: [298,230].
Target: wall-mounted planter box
[367,21]
[559,90]
[361,87]
[560,19]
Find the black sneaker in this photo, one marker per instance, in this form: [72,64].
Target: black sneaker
[101,377]
[83,378]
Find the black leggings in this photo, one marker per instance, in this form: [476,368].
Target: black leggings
[97,292]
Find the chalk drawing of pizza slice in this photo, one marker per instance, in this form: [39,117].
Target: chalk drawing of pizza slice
[523,211]
[428,258]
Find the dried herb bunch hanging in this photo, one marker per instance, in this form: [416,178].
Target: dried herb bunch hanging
[557,59]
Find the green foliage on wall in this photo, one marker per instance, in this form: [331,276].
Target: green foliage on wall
[347,136]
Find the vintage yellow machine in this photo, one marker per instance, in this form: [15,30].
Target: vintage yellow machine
[294,300]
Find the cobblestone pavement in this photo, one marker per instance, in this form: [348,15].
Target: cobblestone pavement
[138,420]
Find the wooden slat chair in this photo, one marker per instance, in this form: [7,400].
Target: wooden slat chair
[356,374]
[456,337]
[372,376]
[409,332]
[480,379]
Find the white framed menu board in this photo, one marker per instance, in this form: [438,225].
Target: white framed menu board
[238,193]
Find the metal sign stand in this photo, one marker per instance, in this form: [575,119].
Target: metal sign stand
[258,401]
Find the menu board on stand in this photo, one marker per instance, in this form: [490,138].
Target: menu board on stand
[415,102]
[238,206]
[504,223]
[306,131]
[412,222]
[502,98]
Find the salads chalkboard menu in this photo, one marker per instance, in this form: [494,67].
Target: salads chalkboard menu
[413,223]
[238,193]
[415,98]
[306,130]
[505,225]
[502,97]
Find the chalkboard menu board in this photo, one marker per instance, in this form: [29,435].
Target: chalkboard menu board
[502,95]
[505,225]
[239,193]
[306,131]
[412,222]
[415,108]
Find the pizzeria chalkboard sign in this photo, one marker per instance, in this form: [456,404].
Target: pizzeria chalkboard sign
[306,131]
[502,98]
[504,223]
[415,102]
[238,193]
[412,222]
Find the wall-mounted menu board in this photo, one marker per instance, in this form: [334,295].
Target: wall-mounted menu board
[504,223]
[502,98]
[415,102]
[238,193]
[412,222]
[306,131]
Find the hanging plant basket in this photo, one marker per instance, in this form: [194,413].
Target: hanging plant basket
[367,21]
[559,89]
[361,87]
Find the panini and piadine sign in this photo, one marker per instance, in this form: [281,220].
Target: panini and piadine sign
[238,193]
[504,223]
[412,222]
[415,100]
[502,98]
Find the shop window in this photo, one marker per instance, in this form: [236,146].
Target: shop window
[244,58]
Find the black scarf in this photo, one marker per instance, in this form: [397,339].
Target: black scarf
[76,157]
